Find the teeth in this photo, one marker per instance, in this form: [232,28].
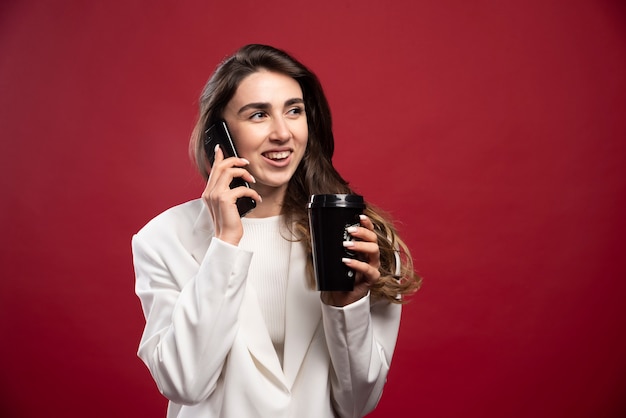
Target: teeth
[277,155]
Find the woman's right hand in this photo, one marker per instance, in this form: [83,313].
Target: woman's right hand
[221,199]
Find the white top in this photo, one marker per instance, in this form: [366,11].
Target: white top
[266,239]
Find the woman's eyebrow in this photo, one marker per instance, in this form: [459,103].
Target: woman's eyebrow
[266,106]
[259,106]
[295,100]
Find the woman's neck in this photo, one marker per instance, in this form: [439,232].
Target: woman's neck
[272,202]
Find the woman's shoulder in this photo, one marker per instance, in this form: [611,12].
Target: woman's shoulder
[176,219]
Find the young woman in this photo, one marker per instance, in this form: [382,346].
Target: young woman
[234,326]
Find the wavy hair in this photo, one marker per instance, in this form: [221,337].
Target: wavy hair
[316,173]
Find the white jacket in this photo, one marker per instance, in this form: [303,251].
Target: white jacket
[206,344]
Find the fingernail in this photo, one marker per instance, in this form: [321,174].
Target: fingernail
[216,148]
[362,217]
[351,229]
[253,179]
[346,260]
[348,244]
[246,161]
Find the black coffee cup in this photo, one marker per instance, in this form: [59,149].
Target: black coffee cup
[329,217]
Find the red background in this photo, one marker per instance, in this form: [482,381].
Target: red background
[493,131]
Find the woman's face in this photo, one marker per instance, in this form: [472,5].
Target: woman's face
[267,119]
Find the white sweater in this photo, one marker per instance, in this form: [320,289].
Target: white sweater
[265,238]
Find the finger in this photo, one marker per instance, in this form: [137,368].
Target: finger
[235,172]
[369,251]
[366,222]
[365,247]
[218,193]
[219,155]
[232,161]
[363,233]
[213,168]
[225,170]
[243,191]
[368,272]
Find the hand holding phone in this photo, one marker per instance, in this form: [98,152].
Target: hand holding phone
[218,134]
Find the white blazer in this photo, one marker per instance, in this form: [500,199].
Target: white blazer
[208,349]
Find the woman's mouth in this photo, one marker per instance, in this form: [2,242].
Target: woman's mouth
[278,159]
[277,155]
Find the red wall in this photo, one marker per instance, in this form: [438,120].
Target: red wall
[494,132]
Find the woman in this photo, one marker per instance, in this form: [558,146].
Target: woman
[234,327]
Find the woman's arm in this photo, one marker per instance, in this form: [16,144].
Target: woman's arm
[361,335]
[189,328]
[191,317]
[361,340]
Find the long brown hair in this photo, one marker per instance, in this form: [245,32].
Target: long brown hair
[316,173]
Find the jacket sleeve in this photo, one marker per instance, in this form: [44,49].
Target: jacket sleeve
[190,324]
[361,339]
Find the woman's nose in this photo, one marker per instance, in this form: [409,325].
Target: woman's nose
[280,130]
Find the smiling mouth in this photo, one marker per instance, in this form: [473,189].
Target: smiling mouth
[277,156]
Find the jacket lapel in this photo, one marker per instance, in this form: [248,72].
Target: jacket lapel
[254,331]
[302,316]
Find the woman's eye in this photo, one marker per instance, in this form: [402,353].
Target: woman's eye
[296,111]
[257,115]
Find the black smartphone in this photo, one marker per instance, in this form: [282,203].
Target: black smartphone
[218,133]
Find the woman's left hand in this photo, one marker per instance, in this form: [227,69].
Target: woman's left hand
[365,243]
